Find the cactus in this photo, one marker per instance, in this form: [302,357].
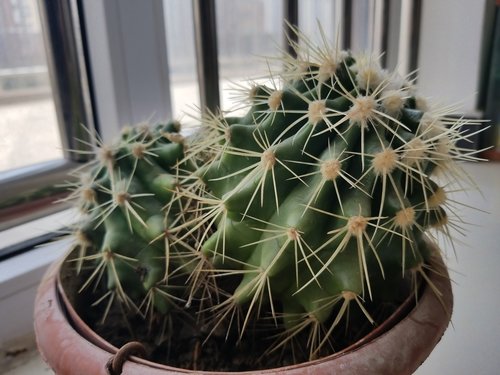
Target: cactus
[305,214]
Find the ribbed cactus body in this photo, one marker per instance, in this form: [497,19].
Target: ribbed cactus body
[131,183]
[312,204]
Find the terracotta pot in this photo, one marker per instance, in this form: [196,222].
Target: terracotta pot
[398,346]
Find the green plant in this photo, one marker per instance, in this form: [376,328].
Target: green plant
[304,217]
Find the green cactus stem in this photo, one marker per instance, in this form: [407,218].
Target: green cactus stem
[308,211]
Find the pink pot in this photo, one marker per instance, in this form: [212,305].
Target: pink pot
[397,346]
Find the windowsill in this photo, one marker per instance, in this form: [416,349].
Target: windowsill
[29,193]
[19,279]
[38,227]
[25,270]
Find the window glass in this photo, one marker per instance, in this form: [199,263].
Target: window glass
[327,13]
[247,31]
[29,131]
[362,28]
[184,88]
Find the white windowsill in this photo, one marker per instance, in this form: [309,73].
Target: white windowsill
[47,224]
[25,270]
[19,279]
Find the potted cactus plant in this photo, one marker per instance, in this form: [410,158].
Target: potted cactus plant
[277,238]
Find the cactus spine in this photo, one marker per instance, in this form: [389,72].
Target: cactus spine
[308,211]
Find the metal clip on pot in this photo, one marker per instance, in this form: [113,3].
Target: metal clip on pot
[115,364]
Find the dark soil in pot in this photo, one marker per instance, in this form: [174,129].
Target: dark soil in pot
[180,341]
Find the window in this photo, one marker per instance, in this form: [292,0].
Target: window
[25,94]
[150,61]
[246,33]
[43,104]
[184,88]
